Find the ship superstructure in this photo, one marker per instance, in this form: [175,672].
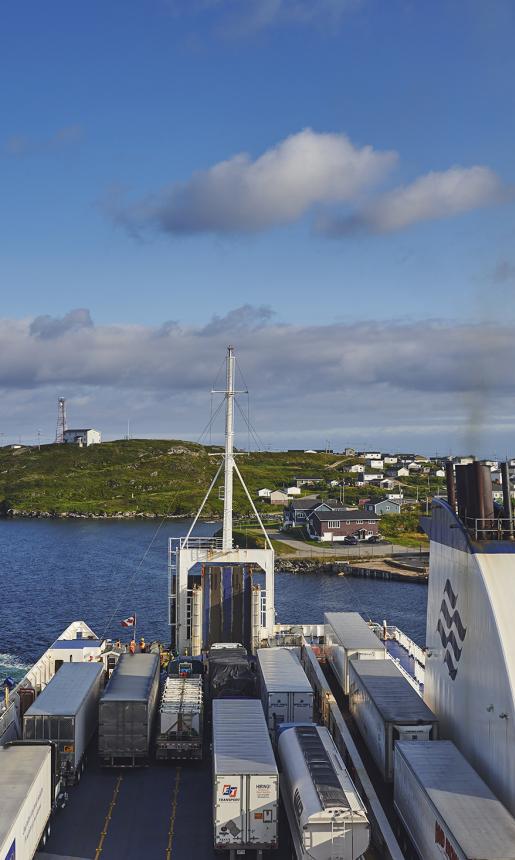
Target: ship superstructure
[470,658]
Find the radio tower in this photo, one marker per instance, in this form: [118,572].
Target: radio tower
[61,421]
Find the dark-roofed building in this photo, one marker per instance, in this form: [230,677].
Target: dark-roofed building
[336,525]
[295,514]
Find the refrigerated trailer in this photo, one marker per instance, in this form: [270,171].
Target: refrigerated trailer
[386,708]
[348,636]
[26,799]
[327,817]
[180,719]
[66,712]
[446,808]
[286,694]
[127,711]
[245,778]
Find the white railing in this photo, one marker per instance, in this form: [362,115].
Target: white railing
[209,543]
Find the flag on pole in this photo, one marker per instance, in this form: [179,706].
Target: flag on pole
[130,621]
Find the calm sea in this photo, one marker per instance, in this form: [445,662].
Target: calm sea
[54,572]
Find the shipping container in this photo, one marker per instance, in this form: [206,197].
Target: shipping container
[286,694]
[25,799]
[180,719]
[66,712]
[326,814]
[245,778]
[446,808]
[348,636]
[127,711]
[230,672]
[386,708]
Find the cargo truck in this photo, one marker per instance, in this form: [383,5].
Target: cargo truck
[348,636]
[66,712]
[26,799]
[446,808]
[386,708]
[127,710]
[327,817]
[245,778]
[286,694]
[180,718]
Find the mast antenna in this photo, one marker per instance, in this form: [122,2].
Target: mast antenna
[61,421]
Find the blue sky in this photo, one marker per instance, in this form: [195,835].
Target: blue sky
[116,118]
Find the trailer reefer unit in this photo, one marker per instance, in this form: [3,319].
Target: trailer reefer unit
[348,636]
[66,712]
[245,777]
[386,708]
[326,814]
[180,723]
[446,808]
[127,710]
[286,693]
[25,799]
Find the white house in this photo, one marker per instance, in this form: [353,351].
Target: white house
[414,467]
[375,464]
[357,467]
[264,493]
[293,491]
[403,472]
[83,437]
[389,460]
[277,497]
[440,473]
[371,455]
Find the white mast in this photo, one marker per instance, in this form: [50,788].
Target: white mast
[229,447]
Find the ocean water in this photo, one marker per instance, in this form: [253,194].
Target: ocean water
[53,572]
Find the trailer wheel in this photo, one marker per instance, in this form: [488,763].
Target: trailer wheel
[77,776]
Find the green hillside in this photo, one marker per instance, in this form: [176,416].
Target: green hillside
[139,477]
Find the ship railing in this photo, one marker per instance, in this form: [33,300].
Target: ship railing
[490,528]
[381,833]
[201,543]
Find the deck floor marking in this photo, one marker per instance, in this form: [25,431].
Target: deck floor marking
[105,828]
[174,813]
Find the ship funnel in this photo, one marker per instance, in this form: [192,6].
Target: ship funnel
[451,486]
[506,499]
[475,498]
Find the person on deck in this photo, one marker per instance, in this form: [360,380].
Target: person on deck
[142,646]
[132,646]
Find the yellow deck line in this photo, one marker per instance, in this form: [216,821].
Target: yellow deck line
[107,821]
[174,813]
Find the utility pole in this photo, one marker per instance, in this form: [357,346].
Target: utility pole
[39,440]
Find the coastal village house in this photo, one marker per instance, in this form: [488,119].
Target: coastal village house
[384,506]
[334,526]
[296,513]
[278,497]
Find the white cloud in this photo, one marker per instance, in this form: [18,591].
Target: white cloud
[433,196]
[245,196]
[245,17]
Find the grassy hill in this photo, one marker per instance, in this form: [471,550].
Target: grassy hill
[139,477]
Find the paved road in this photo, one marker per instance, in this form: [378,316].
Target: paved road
[364,550]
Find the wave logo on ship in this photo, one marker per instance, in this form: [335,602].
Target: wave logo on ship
[230,791]
[451,630]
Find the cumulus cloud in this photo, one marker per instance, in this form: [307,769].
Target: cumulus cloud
[432,196]
[18,144]
[408,382]
[244,17]
[242,195]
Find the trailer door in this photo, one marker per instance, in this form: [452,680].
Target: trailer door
[302,707]
[262,811]
[230,811]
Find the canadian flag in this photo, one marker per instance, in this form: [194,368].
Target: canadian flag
[129,622]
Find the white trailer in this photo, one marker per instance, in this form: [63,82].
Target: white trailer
[348,636]
[66,712]
[286,693]
[386,708]
[245,778]
[446,808]
[326,814]
[180,718]
[26,799]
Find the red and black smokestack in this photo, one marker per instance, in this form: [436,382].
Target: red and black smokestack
[451,486]
[506,501]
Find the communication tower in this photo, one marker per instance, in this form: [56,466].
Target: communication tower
[61,421]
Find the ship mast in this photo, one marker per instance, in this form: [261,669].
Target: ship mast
[229,450]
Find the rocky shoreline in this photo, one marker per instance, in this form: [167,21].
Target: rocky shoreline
[344,568]
[14,513]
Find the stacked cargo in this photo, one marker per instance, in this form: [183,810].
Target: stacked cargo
[348,636]
[230,672]
[25,799]
[326,814]
[286,694]
[446,808]
[180,719]
[245,778]
[386,708]
[127,710]
[66,712]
